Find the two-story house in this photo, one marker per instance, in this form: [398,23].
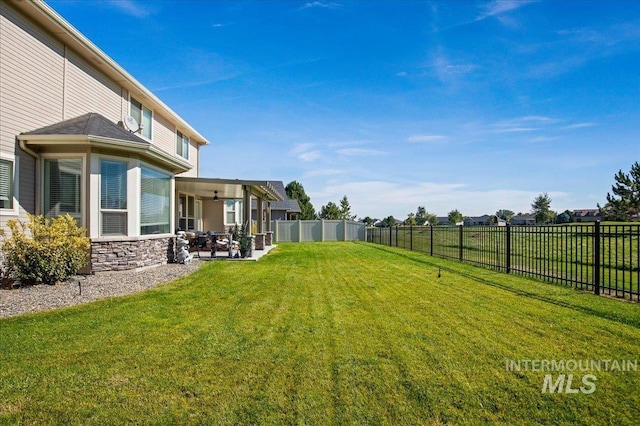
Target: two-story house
[80,135]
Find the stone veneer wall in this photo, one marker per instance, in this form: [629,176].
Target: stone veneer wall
[259,241]
[124,255]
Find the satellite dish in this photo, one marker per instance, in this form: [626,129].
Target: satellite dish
[131,124]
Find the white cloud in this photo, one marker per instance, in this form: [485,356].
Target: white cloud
[447,70]
[305,152]
[522,124]
[323,172]
[579,126]
[310,156]
[498,7]
[360,152]
[426,138]
[131,7]
[321,4]
[516,129]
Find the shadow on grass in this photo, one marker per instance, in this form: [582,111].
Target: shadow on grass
[620,317]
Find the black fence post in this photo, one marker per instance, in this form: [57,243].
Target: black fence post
[397,245]
[411,237]
[508,248]
[460,254]
[431,240]
[596,258]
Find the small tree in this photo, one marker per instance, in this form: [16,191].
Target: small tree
[330,211]
[389,222]
[432,219]
[505,214]
[624,204]
[454,217]
[410,220]
[345,209]
[421,216]
[44,250]
[541,209]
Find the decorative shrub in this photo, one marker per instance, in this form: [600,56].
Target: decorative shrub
[44,250]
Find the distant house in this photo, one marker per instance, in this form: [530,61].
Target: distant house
[288,209]
[523,219]
[586,215]
[484,220]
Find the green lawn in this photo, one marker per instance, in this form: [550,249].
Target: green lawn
[321,333]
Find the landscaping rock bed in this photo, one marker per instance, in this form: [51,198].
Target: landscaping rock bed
[92,287]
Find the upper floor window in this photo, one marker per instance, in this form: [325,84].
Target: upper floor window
[6,184]
[182,145]
[143,116]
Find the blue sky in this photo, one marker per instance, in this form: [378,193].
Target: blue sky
[475,106]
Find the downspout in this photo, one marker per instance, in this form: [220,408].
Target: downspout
[35,155]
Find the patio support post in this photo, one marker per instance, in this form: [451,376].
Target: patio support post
[260,215]
[246,207]
[268,216]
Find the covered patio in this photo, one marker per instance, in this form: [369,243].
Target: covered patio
[214,206]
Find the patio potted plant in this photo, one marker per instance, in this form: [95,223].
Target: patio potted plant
[244,241]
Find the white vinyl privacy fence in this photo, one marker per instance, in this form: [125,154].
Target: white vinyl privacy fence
[317,230]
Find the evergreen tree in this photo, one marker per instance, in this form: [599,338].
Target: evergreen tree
[330,211]
[626,205]
[345,209]
[295,190]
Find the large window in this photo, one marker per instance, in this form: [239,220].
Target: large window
[155,216]
[182,145]
[6,184]
[113,197]
[143,116]
[62,187]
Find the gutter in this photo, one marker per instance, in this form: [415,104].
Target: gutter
[23,146]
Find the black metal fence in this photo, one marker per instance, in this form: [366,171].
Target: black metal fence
[597,257]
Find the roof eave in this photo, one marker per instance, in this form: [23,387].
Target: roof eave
[145,150]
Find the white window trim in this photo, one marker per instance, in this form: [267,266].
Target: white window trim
[133,196]
[15,210]
[139,133]
[187,156]
[83,184]
[178,213]
[236,211]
